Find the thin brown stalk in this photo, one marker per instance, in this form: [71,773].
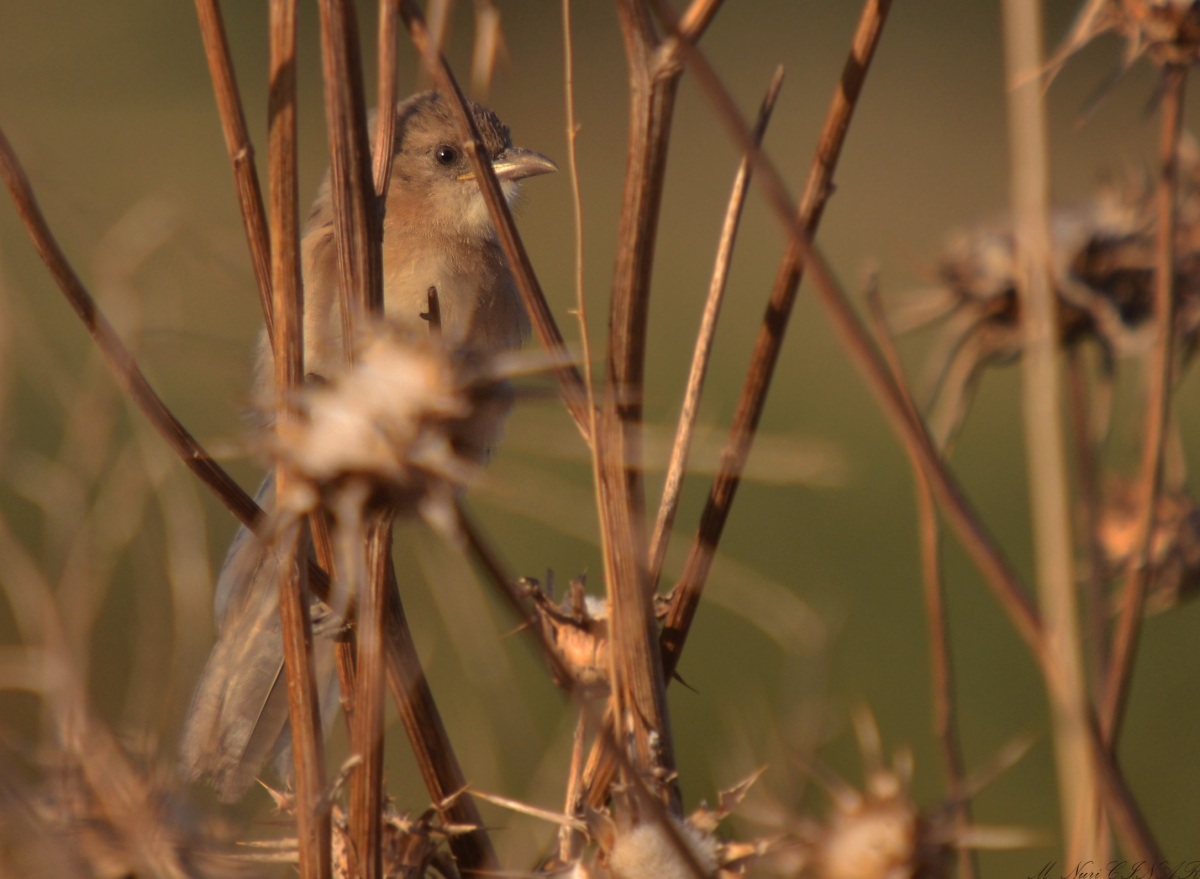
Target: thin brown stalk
[945,725]
[312,823]
[358,238]
[979,544]
[1045,446]
[677,466]
[431,746]
[770,338]
[568,375]
[241,151]
[366,732]
[385,114]
[577,217]
[115,352]
[1086,454]
[355,208]
[1158,411]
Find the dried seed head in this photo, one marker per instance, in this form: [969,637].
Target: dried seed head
[410,419]
[1166,30]
[880,832]
[1174,548]
[1103,256]
[647,851]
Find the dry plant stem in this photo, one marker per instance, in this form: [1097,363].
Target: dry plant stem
[687,595]
[118,356]
[241,152]
[635,665]
[355,208]
[941,669]
[359,236]
[1041,385]
[435,757]
[673,484]
[569,378]
[1158,411]
[652,808]
[1087,473]
[385,117]
[771,333]
[571,840]
[366,731]
[577,216]
[312,823]
[978,543]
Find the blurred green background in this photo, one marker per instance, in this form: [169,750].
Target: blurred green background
[110,108]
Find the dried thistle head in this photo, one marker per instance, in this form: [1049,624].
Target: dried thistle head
[578,627]
[1168,31]
[1174,557]
[411,420]
[411,846]
[1103,258]
[880,832]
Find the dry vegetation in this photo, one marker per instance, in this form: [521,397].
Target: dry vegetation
[1074,294]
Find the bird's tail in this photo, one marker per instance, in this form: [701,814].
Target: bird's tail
[238,718]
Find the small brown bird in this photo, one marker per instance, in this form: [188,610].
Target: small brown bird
[436,233]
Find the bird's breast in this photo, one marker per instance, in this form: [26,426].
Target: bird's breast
[477,298]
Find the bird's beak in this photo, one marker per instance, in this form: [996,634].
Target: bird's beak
[516,164]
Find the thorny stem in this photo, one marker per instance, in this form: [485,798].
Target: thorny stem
[1158,412]
[308,750]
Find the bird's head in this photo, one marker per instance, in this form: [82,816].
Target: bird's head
[432,175]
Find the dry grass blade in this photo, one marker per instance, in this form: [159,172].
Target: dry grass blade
[241,152]
[1158,410]
[673,484]
[308,752]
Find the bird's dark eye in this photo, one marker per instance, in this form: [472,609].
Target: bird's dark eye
[445,154]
